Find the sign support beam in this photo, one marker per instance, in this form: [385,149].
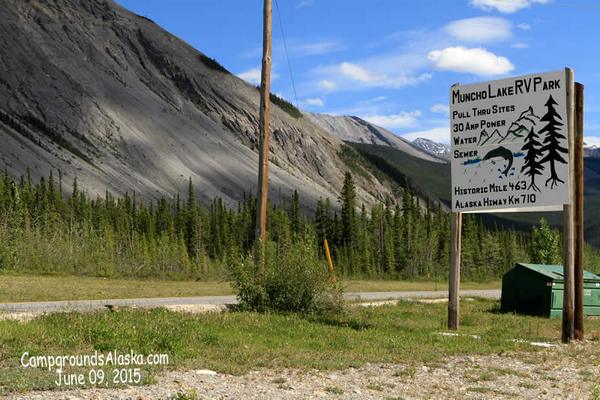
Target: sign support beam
[568,322]
[454,279]
[579,221]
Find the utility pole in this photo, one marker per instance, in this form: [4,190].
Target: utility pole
[579,223]
[263,141]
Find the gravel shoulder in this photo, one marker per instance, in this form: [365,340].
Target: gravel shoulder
[571,372]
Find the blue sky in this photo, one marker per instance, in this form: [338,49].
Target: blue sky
[392,61]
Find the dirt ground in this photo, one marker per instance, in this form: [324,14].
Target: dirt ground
[565,372]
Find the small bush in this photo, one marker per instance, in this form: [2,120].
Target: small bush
[296,280]
[546,246]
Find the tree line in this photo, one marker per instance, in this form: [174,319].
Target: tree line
[44,230]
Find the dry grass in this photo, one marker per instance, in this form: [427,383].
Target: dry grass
[20,288]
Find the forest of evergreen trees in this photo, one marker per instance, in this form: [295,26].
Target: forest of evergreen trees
[43,230]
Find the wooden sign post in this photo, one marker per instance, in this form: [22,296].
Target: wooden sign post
[568,315]
[579,222]
[454,281]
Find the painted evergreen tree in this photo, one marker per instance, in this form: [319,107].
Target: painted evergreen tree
[552,142]
[532,165]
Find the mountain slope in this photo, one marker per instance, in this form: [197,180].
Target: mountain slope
[357,130]
[437,149]
[99,93]
[429,180]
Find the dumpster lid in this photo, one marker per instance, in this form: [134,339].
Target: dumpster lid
[556,272]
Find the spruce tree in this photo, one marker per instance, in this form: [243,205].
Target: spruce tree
[552,142]
[348,202]
[192,224]
[295,214]
[532,166]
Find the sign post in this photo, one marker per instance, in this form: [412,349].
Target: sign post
[568,314]
[454,290]
[579,222]
[512,142]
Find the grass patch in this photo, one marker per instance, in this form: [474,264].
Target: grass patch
[595,394]
[479,389]
[527,385]
[237,342]
[406,372]
[375,386]
[184,396]
[20,288]
[334,390]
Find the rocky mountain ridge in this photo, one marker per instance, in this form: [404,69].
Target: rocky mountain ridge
[96,92]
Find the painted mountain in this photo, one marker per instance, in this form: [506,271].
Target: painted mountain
[518,129]
[522,125]
[491,138]
[96,92]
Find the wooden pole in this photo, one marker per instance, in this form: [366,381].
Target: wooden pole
[454,279]
[579,224]
[329,262]
[264,139]
[568,323]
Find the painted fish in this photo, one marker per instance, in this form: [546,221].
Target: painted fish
[501,152]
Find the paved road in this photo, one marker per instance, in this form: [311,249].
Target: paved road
[91,305]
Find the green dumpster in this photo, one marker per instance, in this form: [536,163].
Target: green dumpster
[535,289]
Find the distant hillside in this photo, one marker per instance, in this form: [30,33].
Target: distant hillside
[428,179]
[357,130]
[437,149]
[592,151]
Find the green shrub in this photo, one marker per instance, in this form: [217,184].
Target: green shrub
[286,106]
[296,280]
[546,244]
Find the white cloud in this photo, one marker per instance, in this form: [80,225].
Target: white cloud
[524,27]
[403,119]
[313,102]
[505,6]
[315,48]
[440,108]
[476,61]
[520,45]
[376,99]
[440,135]
[297,49]
[327,85]
[253,75]
[480,29]
[358,73]
[371,74]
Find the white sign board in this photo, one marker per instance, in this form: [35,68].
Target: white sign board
[509,144]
